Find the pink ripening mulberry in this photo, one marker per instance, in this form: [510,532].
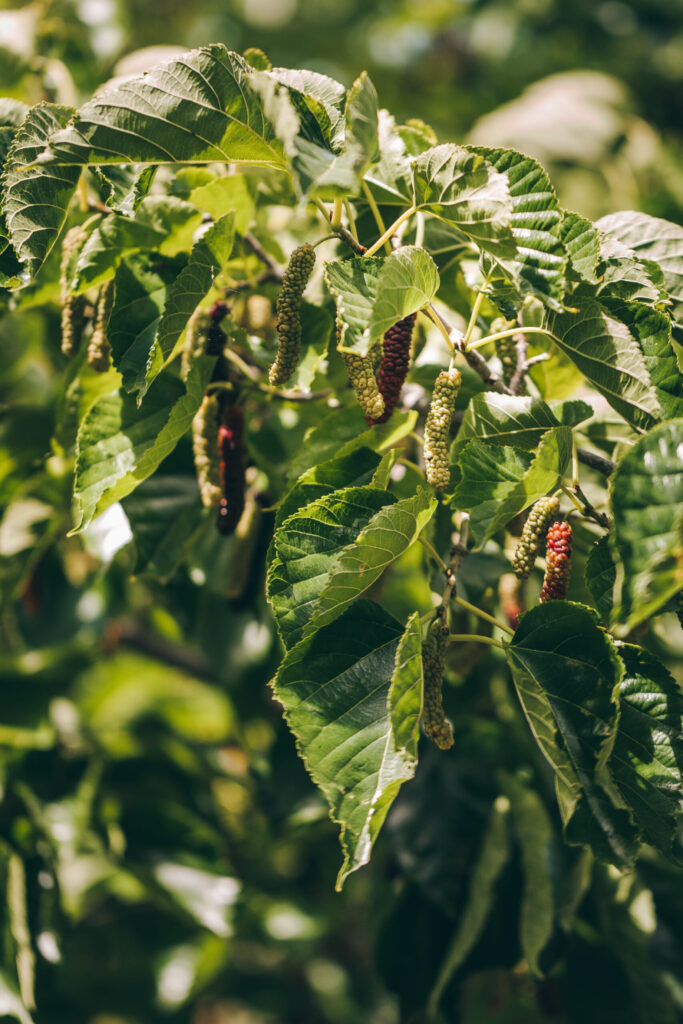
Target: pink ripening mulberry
[231,445]
[394,365]
[557,561]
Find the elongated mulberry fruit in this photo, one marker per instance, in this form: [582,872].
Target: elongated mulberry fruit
[533,535]
[204,335]
[435,723]
[288,322]
[362,375]
[206,451]
[394,365]
[506,350]
[437,427]
[231,446]
[558,564]
[98,347]
[73,306]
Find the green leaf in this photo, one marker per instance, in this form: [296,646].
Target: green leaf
[347,469]
[323,96]
[582,242]
[119,445]
[460,186]
[374,293]
[223,195]
[539,265]
[198,108]
[360,116]
[652,329]
[647,540]
[535,834]
[622,275]
[653,239]
[493,857]
[648,753]
[505,420]
[35,199]
[351,695]
[208,257]
[125,186]
[601,574]
[609,357]
[142,286]
[566,673]
[163,513]
[499,482]
[333,549]
[162,224]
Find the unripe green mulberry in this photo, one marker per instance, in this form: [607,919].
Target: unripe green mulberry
[98,346]
[533,535]
[394,365]
[362,375]
[558,564]
[204,336]
[288,322]
[73,306]
[437,427]
[435,723]
[206,450]
[506,350]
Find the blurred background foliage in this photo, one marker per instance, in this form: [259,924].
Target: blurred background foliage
[178,861]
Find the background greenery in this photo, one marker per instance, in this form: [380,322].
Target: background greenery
[142,758]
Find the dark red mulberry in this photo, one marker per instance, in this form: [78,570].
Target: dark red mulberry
[557,561]
[231,445]
[394,365]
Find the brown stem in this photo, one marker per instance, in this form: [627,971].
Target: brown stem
[253,243]
[596,462]
[590,512]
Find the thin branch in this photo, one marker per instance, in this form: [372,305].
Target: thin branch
[273,267]
[477,637]
[374,209]
[131,634]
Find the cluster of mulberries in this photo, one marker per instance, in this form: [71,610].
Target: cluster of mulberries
[232,477]
[435,723]
[557,562]
[204,336]
[206,451]
[533,535]
[98,346]
[394,365]
[361,373]
[73,306]
[296,277]
[437,427]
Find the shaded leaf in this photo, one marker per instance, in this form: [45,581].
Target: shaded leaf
[648,753]
[351,695]
[119,445]
[601,574]
[566,671]
[647,540]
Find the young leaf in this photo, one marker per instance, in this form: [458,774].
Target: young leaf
[539,264]
[582,242]
[498,482]
[35,199]
[461,187]
[351,695]
[323,96]
[493,857]
[119,444]
[609,357]
[535,834]
[331,551]
[361,136]
[648,753]
[647,540]
[566,672]
[374,293]
[197,108]
[601,574]
[209,255]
